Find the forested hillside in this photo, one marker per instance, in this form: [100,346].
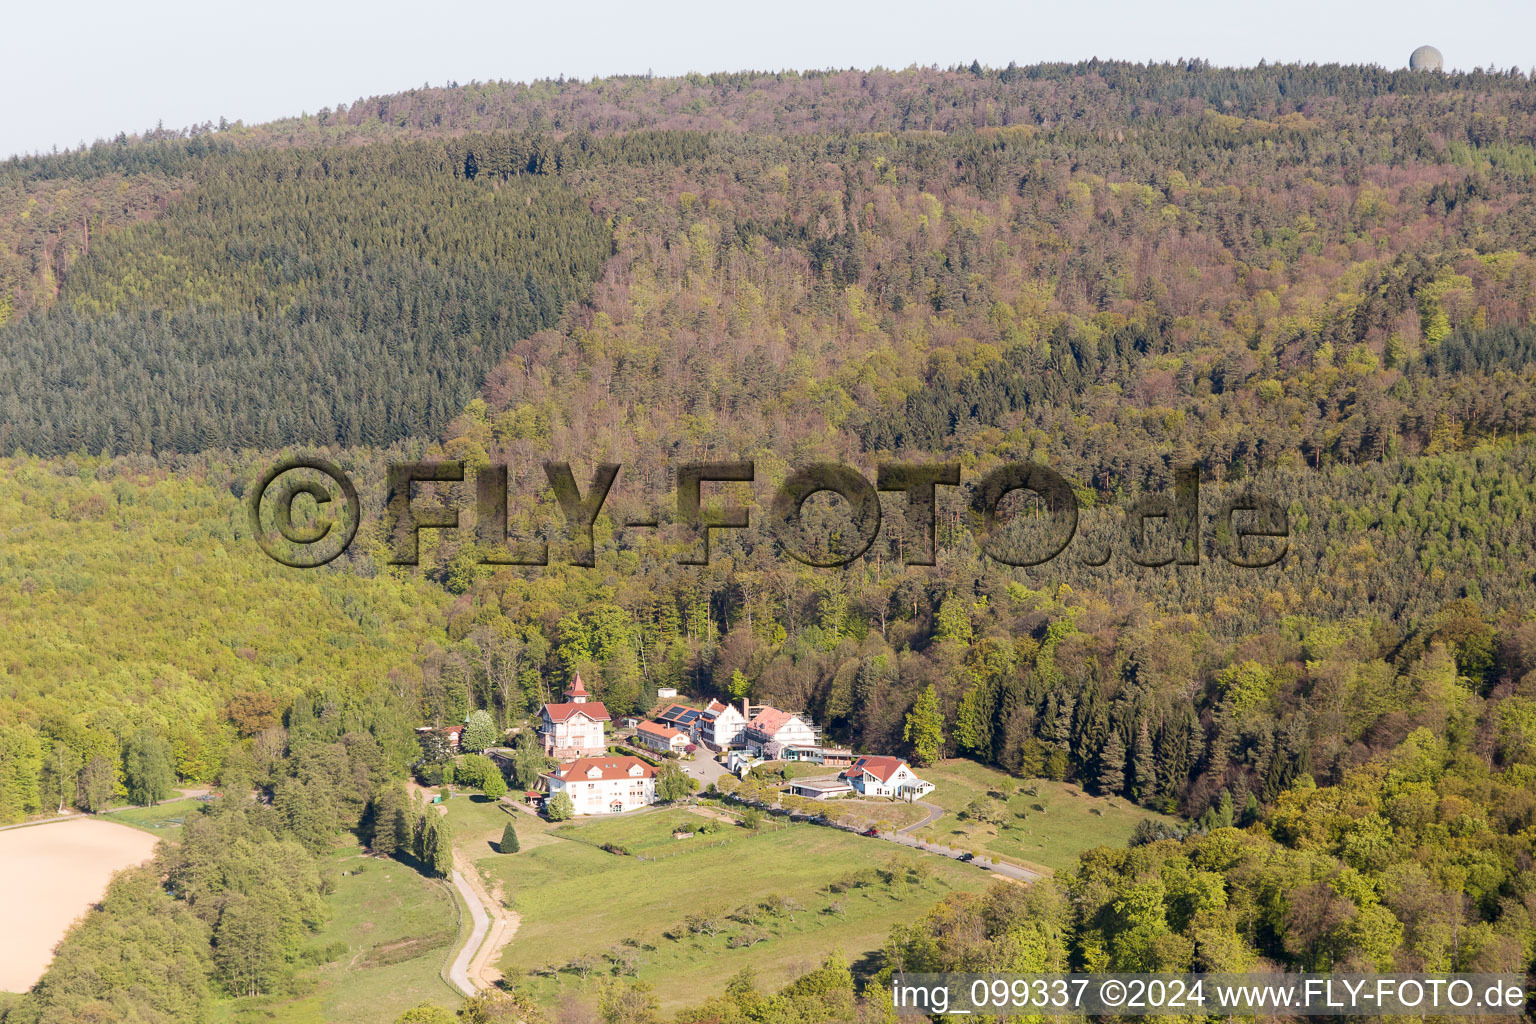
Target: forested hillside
[377,285]
[1313,283]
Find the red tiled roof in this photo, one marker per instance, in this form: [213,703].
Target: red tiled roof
[881,768]
[611,768]
[770,721]
[593,709]
[576,689]
[666,732]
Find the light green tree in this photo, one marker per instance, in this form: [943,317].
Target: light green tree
[248,946]
[479,731]
[672,783]
[21,766]
[442,849]
[559,807]
[425,1013]
[925,728]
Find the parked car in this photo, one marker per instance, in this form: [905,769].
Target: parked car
[966,857]
[872,832]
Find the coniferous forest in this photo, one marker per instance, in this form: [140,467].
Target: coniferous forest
[1314,283]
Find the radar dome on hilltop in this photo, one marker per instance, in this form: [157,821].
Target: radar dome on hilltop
[1426,58]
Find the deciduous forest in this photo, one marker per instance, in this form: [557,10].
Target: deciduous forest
[1313,283]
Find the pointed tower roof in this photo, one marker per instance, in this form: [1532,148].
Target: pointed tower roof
[576,693]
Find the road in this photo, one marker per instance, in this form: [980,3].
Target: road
[491,928]
[904,836]
[995,866]
[458,971]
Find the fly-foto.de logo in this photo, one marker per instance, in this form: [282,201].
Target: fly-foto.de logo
[1250,530]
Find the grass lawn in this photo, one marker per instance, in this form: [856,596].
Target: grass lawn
[478,820]
[163,820]
[888,814]
[1047,829]
[798,769]
[575,898]
[398,929]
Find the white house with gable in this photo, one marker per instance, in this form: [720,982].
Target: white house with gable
[605,785]
[886,776]
[720,725]
[772,726]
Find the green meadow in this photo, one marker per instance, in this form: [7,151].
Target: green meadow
[588,911]
[1044,824]
[390,931]
[163,820]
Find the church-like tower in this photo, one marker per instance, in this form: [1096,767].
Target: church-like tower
[574,727]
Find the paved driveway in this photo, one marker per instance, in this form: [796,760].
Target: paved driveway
[480,923]
[704,768]
[935,812]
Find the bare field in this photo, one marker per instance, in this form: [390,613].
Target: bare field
[53,873]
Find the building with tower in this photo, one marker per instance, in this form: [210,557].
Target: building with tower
[574,728]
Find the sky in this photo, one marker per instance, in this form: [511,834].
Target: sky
[88,70]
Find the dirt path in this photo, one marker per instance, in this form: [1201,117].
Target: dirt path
[482,970]
[492,926]
[710,812]
[458,969]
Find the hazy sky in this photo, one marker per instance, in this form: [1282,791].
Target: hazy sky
[80,71]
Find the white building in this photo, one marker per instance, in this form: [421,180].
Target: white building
[739,762]
[574,728]
[662,738]
[770,725]
[720,725]
[886,776]
[605,785]
[820,789]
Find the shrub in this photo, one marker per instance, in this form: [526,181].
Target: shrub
[559,807]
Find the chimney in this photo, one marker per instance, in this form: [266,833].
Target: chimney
[746,709]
